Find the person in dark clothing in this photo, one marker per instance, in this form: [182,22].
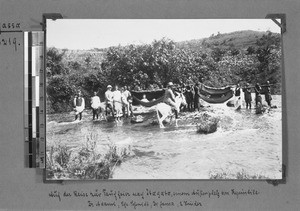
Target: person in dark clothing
[248,97]
[189,98]
[196,97]
[268,96]
[183,88]
[257,89]
[79,105]
[237,90]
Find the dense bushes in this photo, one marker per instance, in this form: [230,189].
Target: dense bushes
[153,65]
[59,93]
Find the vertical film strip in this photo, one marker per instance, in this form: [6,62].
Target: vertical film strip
[33,99]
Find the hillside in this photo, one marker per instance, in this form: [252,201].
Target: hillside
[239,40]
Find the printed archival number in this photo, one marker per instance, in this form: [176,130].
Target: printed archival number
[79,172]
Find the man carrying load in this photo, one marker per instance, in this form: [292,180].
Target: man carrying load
[248,97]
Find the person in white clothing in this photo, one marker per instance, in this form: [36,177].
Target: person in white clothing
[117,99]
[145,99]
[129,99]
[125,97]
[95,104]
[109,99]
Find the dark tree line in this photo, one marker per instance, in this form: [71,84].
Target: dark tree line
[153,65]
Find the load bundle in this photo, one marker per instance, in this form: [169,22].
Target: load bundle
[215,95]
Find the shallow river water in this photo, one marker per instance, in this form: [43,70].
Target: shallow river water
[244,141]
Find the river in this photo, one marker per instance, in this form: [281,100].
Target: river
[244,142]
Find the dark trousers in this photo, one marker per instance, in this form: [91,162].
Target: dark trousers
[196,103]
[257,99]
[95,113]
[80,116]
[176,114]
[111,109]
[248,103]
[268,98]
[130,109]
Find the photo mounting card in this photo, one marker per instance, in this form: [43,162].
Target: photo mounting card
[162,99]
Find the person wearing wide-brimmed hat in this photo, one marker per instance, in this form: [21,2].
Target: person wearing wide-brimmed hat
[247,94]
[109,100]
[169,98]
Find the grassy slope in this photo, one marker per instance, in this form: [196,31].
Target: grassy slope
[239,39]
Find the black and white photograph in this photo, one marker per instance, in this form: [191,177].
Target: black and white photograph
[163,99]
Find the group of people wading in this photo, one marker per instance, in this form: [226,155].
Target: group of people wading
[117,102]
[258,92]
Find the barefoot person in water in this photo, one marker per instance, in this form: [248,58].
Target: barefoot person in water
[79,105]
[248,97]
[109,101]
[257,89]
[125,100]
[95,104]
[117,97]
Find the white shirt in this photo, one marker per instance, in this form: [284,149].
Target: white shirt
[124,98]
[145,100]
[126,94]
[109,96]
[95,102]
[117,96]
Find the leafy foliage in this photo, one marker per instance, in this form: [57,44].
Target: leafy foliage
[219,60]
[84,163]
[207,124]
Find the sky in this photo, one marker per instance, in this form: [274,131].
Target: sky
[85,34]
